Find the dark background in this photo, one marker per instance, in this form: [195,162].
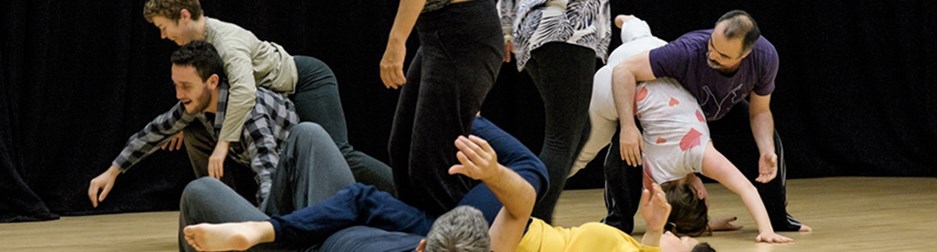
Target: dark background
[856,92]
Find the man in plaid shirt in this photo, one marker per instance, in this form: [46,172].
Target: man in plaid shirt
[266,145]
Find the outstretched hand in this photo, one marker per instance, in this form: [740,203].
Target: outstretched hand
[478,160]
[655,207]
[767,167]
[724,224]
[102,184]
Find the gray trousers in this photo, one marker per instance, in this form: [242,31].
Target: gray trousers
[309,171]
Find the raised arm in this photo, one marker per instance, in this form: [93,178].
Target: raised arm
[762,123]
[479,161]
[655,209]
[392,63]
[625,76]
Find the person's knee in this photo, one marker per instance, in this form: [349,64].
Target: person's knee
[309,131]
[199,188]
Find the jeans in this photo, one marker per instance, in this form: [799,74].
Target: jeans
[450,75]
[317,100]
[310,170]
[563,75]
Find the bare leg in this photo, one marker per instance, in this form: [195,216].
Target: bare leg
[228,236]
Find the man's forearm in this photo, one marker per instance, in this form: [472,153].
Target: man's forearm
[515,193]
[762,124]
[623,88]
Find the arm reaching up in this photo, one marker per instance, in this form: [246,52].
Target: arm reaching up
[479,161]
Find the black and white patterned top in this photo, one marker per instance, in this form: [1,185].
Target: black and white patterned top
[266,128]
[533,23]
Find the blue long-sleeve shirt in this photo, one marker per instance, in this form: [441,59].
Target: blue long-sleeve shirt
[359,205]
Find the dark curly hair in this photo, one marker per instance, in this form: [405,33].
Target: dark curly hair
[202,56]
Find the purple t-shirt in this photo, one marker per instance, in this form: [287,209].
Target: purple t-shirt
[685,60]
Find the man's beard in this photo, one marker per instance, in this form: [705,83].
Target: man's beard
[713,64]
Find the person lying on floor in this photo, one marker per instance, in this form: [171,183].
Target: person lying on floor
[361,218]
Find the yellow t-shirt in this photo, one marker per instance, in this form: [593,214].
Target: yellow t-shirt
[591,236]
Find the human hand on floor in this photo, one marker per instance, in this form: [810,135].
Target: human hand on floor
[772,237]
[767,167]
[724,224]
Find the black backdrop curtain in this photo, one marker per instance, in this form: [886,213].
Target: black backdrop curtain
[856,92]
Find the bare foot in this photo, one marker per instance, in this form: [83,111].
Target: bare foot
[805,228]
[620,19]
[228,236]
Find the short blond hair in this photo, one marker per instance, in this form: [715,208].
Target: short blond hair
[170,9]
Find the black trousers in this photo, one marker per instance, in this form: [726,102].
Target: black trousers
[458,60]
[563,75]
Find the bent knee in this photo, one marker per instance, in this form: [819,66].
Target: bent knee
[199,188]
[309,130]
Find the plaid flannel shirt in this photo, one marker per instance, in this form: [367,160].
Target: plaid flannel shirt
[266,128]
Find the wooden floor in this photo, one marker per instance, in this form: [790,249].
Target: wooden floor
[847,214]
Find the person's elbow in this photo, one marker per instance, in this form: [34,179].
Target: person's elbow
[623,72]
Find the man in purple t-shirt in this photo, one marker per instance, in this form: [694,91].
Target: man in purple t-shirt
[720,67]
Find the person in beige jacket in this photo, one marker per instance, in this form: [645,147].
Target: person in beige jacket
[250,62]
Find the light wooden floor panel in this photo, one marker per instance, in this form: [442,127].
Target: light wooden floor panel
[847,214]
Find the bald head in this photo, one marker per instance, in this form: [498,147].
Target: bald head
[737,24]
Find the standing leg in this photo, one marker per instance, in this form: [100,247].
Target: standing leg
[310,169]
[774,194]
[317,100]
[461,51]
[563,74]
[622,189]
[398,146]
[603,119]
